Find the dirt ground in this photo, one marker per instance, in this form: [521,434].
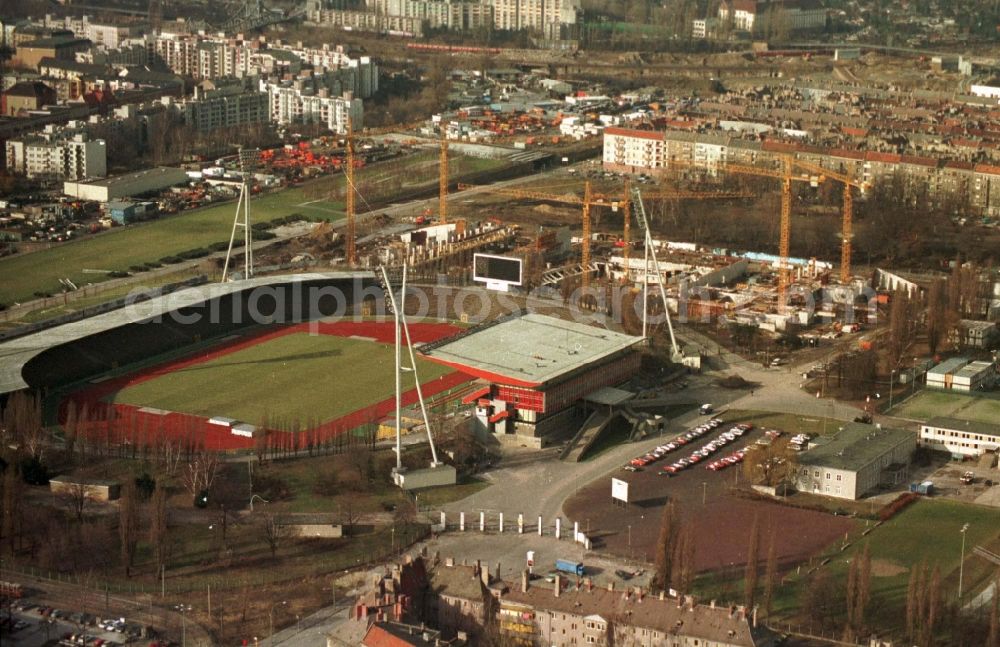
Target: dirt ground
[721,519]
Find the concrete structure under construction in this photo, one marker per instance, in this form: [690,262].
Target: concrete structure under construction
[538,367]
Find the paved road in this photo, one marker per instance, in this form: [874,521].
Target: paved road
[540,488]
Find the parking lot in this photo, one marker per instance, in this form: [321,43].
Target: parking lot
[32,625]
[720,518]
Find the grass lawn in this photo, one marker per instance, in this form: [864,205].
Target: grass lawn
[786,422]
[450,493]
[299,375]
[929,404]
[120,248]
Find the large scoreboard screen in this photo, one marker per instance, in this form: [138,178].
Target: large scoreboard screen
[497,271]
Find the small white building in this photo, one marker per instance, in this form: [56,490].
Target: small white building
[942,376]
[971,333]
[960,437]
[974,377]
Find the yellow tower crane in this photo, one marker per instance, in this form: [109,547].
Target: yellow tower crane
[443,178]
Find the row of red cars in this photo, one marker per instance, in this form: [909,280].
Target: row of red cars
[701,454]
[737,457]
[662,450]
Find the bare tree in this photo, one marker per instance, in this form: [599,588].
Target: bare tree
[273,531]
[76,498]
[158,526]
[683,576]
[13,509]
[349,514]
[993,637]
[937,316]
[770,575]
[200,472]
[771,464]
[128,523]
[750,572]
[665,547]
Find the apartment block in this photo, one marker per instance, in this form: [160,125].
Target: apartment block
[299,102]
[73,158]
[101,34]
[545,16]
[214,106]
[761,16]
[956,182]
[437,14]
[583,614]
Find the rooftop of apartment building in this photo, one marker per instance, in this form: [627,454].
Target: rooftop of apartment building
[725,625]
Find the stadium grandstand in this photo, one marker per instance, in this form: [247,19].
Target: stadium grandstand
[138,331]
[537,368]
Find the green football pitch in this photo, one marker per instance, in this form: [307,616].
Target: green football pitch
[931,404]
[296,377]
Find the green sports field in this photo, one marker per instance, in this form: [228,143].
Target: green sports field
[929,404]
[119,248]
[298,376]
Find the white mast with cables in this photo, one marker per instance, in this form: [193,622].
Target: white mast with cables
[640,214]
[403,330]
[249,158]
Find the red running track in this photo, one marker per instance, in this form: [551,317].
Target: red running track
[125,424]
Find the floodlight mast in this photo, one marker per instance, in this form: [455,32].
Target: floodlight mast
[650,252]
[249,158]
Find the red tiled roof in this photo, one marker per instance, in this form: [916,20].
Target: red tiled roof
[854,132]
[889,158]
[376,636]
[918,161]
[630,132]
[843,152]
[959,164]
[988,169]
[780,147]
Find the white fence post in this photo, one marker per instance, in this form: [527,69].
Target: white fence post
[501,523]
[461,521]
[558,527]
[482,522]
[520,523]
[539,525]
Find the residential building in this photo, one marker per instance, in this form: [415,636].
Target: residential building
[368,21]
[566,616]
[25,96]
[100,34]
[855,461]
[74,158]
[544,16]
[437,14]
[634,151]
[31,53]
[763,17]
[216,105]
[300,102]
[460,599]
[960,437]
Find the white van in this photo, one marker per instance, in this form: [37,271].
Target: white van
[706,409]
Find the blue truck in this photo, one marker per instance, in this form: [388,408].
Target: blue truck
[567,566]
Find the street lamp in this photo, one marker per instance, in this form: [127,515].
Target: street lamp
[892,373]
[270,618]
[183,608]
[961,564]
